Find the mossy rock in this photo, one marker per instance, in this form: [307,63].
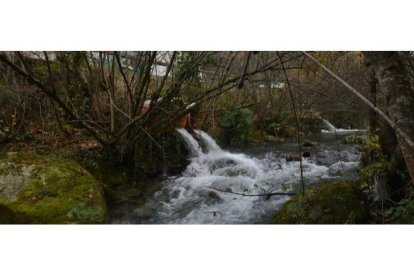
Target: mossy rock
[308,144]
[48,190]
[330,203]
[355,139]
[274,139]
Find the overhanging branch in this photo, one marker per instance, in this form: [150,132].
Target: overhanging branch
[393,125]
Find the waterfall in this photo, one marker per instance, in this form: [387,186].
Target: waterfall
[333,129]
[209,142]
[330,126]
[191,143]
[203,191]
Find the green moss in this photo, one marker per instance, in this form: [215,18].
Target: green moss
[274,139]
[53,192]
[113,177]
[355,139]
[331,203]
[133,192]
[308,144]
[8,216]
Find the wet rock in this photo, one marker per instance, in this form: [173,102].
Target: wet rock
[329,203]
[213,197]
[308,144]
[291,158]
[306,154]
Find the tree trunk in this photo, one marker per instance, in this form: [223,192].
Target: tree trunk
[373,99]
[393,81]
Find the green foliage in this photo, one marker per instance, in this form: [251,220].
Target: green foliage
[186,64]
[372,147]
[274,129]
[368,175]
[211,60]
[280,129]
[236,127]
[10,113]
[381,171]
[402,212]
[310,121]
[377,167]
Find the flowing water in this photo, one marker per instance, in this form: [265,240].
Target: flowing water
[208,189]
[333,129]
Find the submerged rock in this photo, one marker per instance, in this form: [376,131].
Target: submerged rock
[331,203]
[292,158]
[45,189]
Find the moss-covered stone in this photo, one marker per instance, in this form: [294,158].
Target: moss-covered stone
[355,139]
[330,203]
[308,144]
[274,139]
[48,190]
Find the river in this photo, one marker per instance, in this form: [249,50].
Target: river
[207,191]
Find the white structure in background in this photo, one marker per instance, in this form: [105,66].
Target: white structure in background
[39,55]
[279,85]
[276,85]
[129,60]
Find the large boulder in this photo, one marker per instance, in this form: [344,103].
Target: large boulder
[329,203]
[48,190]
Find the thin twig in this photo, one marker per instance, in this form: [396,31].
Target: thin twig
[267,195]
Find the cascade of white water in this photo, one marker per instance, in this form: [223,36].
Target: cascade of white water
[333,129]
[192,197]
[210,143]
[191,143]
[203,193]
[330,126]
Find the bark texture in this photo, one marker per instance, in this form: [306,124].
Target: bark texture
[394,83]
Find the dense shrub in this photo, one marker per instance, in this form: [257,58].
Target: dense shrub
[236,127]
[280,129]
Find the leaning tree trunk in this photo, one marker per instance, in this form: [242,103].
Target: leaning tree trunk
[373,98]
[393,81]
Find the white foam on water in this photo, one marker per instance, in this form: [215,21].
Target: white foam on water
[192,198]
